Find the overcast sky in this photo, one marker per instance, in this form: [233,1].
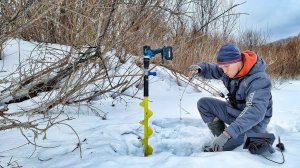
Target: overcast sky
[279,18]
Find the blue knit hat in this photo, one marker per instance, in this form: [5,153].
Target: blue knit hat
[228,54]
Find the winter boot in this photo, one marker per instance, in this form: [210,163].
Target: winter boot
[216,127]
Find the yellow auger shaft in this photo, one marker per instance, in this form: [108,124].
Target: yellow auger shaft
[147,130]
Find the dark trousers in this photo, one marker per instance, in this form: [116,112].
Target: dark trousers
[210,108]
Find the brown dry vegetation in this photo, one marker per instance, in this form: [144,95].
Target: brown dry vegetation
[123,25]
[196,30]
[128,25]
[92,28]
[283,57]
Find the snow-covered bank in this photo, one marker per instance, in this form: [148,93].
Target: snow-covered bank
[114,142]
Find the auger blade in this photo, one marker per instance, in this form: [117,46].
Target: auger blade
[149,113]
[142,140]
[142,103]
[149,150]
[149,132]
[143,122]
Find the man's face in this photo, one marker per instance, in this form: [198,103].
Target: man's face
[231,69]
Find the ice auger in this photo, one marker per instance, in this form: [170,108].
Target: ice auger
[166,54]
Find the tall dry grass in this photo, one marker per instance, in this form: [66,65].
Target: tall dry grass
[125,25]
[128,25]
[283,57]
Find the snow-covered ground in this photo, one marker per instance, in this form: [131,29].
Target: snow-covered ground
[178,137]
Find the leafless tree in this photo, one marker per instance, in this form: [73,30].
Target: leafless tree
[101,36]
[252,39]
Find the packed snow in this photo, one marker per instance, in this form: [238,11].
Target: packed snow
[178,131]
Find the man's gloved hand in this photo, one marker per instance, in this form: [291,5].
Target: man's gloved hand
[219,142]
[194,67]
[194,70]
